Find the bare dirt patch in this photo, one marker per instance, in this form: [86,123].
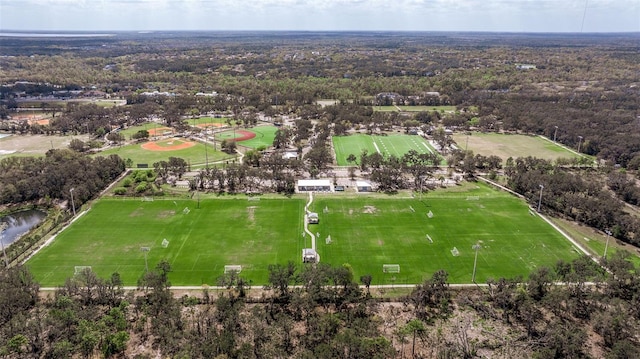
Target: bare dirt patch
[251,213]
[369,209]
[244,135]
[166,214]
[160,131]
[35,144]
[172,145]
[137,213]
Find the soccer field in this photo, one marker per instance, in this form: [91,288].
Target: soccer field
[511,145]
[202,240]
[368,232]
[422,235]
[396,145]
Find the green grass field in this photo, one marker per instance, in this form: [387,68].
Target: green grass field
[194,155]
[368,232]
[149,126]
[505,146]
[264,137]
[108,238]
[396,145]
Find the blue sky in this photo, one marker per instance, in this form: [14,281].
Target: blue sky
[374,15]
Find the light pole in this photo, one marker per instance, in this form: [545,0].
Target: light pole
[540,199]
[579,143]
[476,247]
[606,246]
[73,204]
[555,133]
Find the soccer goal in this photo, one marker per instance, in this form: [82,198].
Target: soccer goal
[390,268]
[186,210]
[232,268]
[328,240]
[455,252]
[165,243]
[430,214]
[79,269]
[147,199]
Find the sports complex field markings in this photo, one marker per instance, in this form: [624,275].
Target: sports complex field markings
[376,146]
[394,149]
[186,237]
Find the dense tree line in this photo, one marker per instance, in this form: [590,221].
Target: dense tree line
[583,84]
[570,194]
[319,311]
[52,177]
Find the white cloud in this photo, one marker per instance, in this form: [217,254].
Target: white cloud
[470,15]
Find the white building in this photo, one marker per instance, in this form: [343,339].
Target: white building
[317,185]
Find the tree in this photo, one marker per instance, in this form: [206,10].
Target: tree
[280,277]
[352,158]
[77,145]
[140,135]
[282,138]
[416,328]
[115,137]
[366,280]
[228,146]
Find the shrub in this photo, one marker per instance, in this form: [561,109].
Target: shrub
[142,187]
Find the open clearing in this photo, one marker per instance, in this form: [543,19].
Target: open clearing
[441,109]
[366,232]
[509,145]
[34,145]
[202,240]
[194,155]
[396,145]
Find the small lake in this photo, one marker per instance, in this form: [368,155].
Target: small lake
[20,223]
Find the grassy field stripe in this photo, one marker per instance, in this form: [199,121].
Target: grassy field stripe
[427,147]
[186,237]
[376,146]
[395,150]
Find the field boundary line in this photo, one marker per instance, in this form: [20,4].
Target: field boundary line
[53,237]
[376,146]
[553,225]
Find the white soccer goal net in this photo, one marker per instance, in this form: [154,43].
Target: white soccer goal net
[455,252]
[165,243]
[232,268]
[390,268]
[79,269]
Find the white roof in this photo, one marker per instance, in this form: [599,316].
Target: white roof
[316,182]
[363,184]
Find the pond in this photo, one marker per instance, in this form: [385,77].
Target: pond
[19,223]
